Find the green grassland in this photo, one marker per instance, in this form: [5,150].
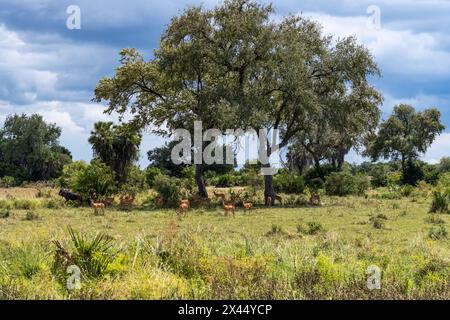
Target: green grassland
[292,252]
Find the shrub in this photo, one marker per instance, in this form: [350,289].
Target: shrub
[25,204]
[93,256]
[407,190]
[95,180]
[31,215]
[434,219]
[44,193]
[340,184]
[169,189]
[150,175]
[378,221]
[7,182]
[70,173]
[318,172]
[440,201]
[362,184]
[275,230]
[438,233]
[315,184]
[288,183]
[394,178]
[314,228]
[4,213]
[225,181]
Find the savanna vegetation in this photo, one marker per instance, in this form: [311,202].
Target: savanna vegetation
[223,231]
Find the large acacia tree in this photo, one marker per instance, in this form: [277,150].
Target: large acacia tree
[197,74]
[404,136]
[234,67]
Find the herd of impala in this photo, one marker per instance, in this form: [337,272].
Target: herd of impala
[228,205]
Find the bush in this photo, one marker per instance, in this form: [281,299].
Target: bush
[438,233]
[70,173]
[407,190]
[170,189]
[378,223]
[4,213]
[95,180]
[440,201]
[340,184]
[92,256]
[315,184]
[314,228]
[394,178]
[31,215]
[150,175]
[225,181]
[7,182]
[288,183]
[276,230]
[362,184]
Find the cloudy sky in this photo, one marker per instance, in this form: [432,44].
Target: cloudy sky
[48,69]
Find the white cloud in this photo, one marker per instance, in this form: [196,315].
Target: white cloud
[400,51]
[440,148]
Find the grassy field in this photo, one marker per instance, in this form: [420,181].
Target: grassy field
[270,253]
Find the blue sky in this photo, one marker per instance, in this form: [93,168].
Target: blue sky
[48,69]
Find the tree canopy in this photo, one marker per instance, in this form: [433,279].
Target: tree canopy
[406,135]
[117,146]
[30,149]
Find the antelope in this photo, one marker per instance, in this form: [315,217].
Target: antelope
[269,201]
[98,206]
[159,201]
[126,200]
[247,206]
[108,201]
[219,195]
[201,200]
[315,199]
[183,207]
[229,207]
[279,199]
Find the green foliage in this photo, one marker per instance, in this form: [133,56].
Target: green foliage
[440,201]
[314,227]
[407,190]
[150,175]
[394,178]
[316,173]
[135,181]
[4,213]
[275,229]
[404,136]
[344,183]
[377,171]
[31,215]
[70,173]
[362,184]
[288,183]
[438,232]
[225,181]
[96,180]
[94,255]
[29,149]
[117,146]
[7,182]
[170,189]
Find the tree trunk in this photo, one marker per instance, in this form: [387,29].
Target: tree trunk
[341,157]
[199,180]
[269,191]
